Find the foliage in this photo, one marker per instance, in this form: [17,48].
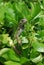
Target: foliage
[32,36]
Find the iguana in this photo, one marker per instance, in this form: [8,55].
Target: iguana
[17,34]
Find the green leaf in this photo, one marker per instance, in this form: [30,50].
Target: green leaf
[40,63]
[23,9]
[9,15]
[23,60]
[35,10]
[3,51]
[37,59]
[10,55]
[24,40]
[2,11]
[41,33]
[38,46]
[11,63]
[41,20]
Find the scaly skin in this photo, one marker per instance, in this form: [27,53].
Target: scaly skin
[17,34]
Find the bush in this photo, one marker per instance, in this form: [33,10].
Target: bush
[21,32]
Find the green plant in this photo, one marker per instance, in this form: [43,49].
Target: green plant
[22,44]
